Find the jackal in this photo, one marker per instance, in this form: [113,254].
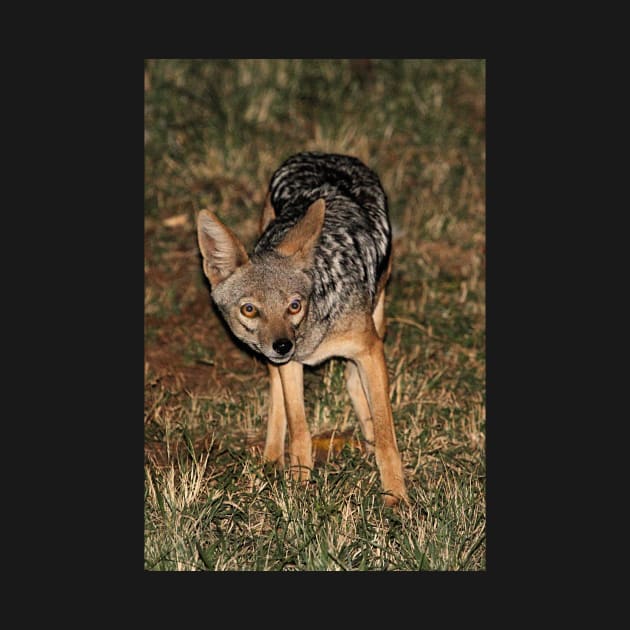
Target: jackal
[313,288]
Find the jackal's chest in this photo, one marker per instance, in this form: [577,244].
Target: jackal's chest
[346,340]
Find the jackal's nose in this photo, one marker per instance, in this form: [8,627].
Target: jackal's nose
[282,346]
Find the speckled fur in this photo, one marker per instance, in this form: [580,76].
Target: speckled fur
[355,243]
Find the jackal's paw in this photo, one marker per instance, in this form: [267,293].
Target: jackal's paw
[300,473]
[273,468]
[274,459]
[392,500]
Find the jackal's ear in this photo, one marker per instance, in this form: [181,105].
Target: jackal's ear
[268,214]
[301,239]
[221,250]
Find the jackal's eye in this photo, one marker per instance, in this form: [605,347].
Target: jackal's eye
[249,310]
[295,306]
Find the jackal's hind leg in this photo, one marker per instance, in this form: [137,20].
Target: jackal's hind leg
[354,385]
[360,404]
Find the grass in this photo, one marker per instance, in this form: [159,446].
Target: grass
[214,132]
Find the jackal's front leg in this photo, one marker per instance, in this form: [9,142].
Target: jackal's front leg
[300,445]
[373,373]
[276,421]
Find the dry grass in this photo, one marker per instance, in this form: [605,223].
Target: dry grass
[215,131]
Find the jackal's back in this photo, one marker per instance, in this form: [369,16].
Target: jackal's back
[355,244]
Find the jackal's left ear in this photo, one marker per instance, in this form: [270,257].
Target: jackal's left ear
[268,214]
[301,239]
[222,252]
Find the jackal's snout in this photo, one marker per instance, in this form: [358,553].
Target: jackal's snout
[282,346]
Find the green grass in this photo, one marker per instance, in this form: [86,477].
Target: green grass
[214,133]
[204,516]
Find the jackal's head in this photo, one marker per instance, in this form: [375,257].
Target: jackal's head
[265,298]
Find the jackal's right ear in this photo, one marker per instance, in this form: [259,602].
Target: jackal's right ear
[300,240]
[268,214]
[222,252]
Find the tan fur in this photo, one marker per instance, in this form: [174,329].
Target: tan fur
[267,215]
